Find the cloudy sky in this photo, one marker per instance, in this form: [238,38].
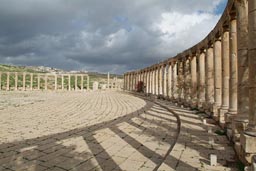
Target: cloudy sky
[102,35]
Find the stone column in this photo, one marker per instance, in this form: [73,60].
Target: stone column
[24,81]
[174,81]
[16,81]
[0,80]
[169,81]
[148,81]
[209,80]
[69,82]
[180,81]
[132,81]
[62,82]
[217,78]
[193,92]
[154,81]
[187,81]
[108,80]
[82,82]
[46,82]
[165,81]
[225,64]
[75,82]
[157,81]
[201,89]
[248,139]
[128,81]
[56,82]
[88,82]
[38,81]
[31,81]
[232,111]
[241,119]
[8,81]
[160,80]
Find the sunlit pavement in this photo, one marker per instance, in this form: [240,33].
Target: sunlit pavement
[105,130]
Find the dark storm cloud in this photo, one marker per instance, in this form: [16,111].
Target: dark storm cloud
[116,35]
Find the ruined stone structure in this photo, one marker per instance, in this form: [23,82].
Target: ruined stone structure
[216,76]
[43,81]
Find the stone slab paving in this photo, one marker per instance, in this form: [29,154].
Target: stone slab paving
[83,131]
[194,145]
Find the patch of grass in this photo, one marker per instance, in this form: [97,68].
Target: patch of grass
[240,166]
[220,132]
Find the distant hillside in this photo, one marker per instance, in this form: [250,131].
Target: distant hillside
[94,76]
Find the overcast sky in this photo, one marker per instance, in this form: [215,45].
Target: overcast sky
[102,35]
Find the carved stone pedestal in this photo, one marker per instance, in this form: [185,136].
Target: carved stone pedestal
[248,145]
[239,125]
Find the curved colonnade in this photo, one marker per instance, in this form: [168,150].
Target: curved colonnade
[216,76]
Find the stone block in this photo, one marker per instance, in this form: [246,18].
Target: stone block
[253,163]
[213,159]
[248,143]
[95,85]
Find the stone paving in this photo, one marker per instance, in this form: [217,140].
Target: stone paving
[103,131]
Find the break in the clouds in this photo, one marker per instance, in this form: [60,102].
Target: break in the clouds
[100,35]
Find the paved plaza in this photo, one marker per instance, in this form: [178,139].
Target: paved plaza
[105,130]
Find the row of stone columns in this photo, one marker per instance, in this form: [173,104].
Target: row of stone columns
[217,77]
[39,77]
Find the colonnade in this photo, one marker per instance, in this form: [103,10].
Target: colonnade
[217,76]
[38,81]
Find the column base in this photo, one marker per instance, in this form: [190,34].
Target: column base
[193,105]
[200,106]
[248,146]
[215,110]
[227,122]
[239,124]
[208,108]
[221,117]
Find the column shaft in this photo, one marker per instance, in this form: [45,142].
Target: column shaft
[56,82]
[88,82]
[24,81]
[31,81]
[69,82]
[38,81]
[169,81]
[154,82]
[187,81]
[201,88]
[8,81]
[209,80]
[193,92]
[0,80]
[252,68]
[16,81]
[217,78]
[75,82]
[157,81]
[107,80]
[165,81]
[175,81]
[62,82]
[225,75]
[233,68]
[242,62]
[82,82]
[46,82]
